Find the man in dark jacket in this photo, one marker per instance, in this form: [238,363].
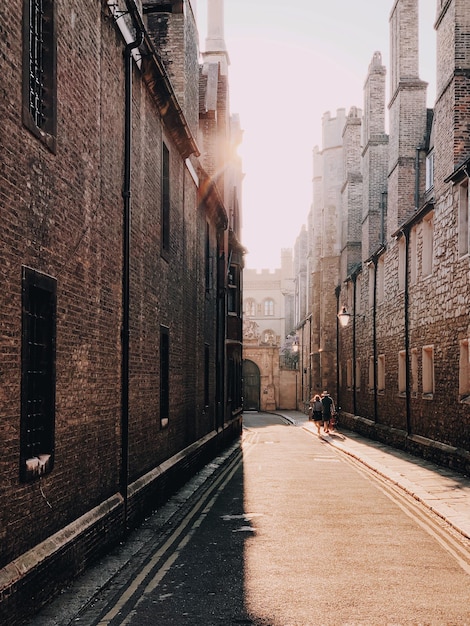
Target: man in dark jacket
[328,410]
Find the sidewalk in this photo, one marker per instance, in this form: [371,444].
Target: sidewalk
[445,492]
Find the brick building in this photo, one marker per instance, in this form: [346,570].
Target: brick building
[121,275]
[389,230]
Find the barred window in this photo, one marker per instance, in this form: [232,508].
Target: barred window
[165,213]
[38,374]
[39,70]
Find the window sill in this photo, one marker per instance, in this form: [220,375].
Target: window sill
[37,466]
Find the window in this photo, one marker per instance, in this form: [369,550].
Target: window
[371,374]
[381,373]
[357,373]
[402,372]
[401,263]
[428,371]
[349,376]
[371,284]
[37,374]
[233,289]
[269,307]
[380,279]
[464,370]
[414,371]
[165,214]
[430,171]
[39,70]
[428,236]
[250,307]
[164,375]
[463,218]
[413,256]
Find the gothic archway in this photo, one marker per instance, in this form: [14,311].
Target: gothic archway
[251,386]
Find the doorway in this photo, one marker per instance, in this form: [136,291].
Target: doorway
[251,386]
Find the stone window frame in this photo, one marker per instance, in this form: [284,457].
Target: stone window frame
[427,257]
[381,374]
[464,371]
[463,219]
[402,373]
[268,307]
[427,374]
[349,374]
[371,375]
[414,372]
[39,78]
[380,279]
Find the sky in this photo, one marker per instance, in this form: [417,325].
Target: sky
[289,64]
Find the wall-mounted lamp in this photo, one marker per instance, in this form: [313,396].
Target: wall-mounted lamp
[295,345]
[344,316]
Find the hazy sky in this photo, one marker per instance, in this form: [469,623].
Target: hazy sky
[289,64]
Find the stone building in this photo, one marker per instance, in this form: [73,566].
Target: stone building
[121,276]
[395,248]
[269,362]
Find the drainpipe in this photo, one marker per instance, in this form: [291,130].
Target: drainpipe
[407,334]
[338,392]
[354,373]
[374,339]
[126,195]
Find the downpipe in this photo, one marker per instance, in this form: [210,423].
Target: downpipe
[126,195]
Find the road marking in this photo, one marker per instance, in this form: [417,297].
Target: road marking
[140,580]
[420,514]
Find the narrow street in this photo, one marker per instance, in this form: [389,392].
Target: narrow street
[288,532]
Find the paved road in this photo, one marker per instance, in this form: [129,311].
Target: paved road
[289,532]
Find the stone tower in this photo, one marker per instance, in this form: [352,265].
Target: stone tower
[453,88]
[407,112]
[351,193]
[375,157]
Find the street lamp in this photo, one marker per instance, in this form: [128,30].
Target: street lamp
[344,317]
[295,346]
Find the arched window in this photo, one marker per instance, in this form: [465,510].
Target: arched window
[269,307]
[250,307]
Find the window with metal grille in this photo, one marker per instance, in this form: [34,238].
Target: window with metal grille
[164,375]
[39,69]
[165,199]
[38,374]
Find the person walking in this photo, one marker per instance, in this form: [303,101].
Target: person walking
[316,411]
[328,409]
